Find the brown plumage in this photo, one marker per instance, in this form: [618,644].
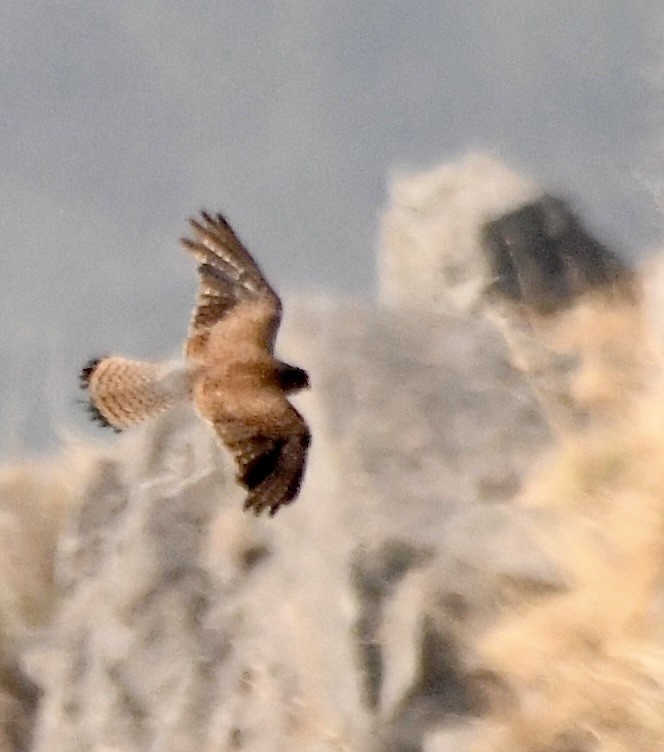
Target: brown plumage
[230,372]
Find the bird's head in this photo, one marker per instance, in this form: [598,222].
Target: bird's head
[292,378]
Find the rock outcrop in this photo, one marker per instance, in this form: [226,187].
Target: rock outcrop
[345,622]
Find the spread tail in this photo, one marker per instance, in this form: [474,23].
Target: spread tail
[123,393]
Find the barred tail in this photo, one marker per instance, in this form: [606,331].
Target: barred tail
[124,392]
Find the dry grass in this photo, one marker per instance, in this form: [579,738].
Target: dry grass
[35,498]
[585,668]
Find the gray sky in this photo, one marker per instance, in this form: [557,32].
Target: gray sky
[121,119]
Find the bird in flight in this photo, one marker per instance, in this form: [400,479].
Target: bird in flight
[230,372]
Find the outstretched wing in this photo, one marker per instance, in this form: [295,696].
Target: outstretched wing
[269,443]
[271,467]
[228,276]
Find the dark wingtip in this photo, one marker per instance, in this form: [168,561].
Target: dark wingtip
[96,417]
[84,377]
[221,220]
[216,219]
[86,372]
[196,226]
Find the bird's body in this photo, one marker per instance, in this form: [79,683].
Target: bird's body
[229,371]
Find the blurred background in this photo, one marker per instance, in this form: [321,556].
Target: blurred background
[121,119]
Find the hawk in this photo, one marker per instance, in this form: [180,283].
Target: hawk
[230,372]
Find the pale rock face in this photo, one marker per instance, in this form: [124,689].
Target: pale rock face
[429,256]
[346,622]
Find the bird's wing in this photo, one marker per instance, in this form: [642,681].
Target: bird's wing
[269,445]
[228,276]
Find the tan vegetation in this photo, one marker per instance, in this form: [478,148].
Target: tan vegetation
[585,667]
[35,500]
